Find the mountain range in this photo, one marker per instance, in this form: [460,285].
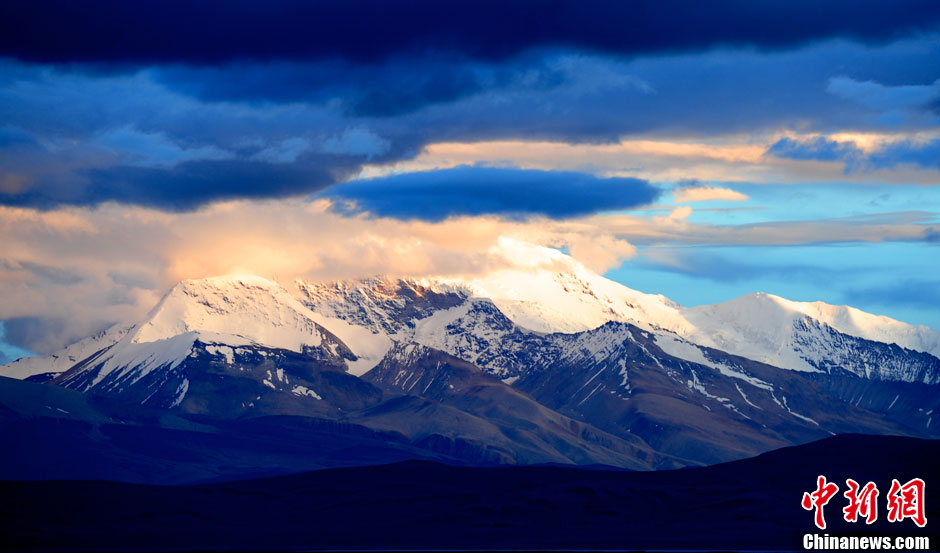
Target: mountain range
[538,361]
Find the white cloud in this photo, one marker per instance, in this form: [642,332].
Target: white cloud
[84,268]
[706,194]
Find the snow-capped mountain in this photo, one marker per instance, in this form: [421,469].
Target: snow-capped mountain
[249,308]
[793,335]
[44,367]
[223,316]
[547,291]
[594,371]
[652,384]
[543,291]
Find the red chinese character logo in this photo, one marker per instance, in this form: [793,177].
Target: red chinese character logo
[907,501]
[818,499]
[864,502]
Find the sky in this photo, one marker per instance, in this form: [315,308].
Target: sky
[698,150]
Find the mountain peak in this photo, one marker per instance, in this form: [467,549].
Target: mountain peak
[235,279]
[545,290]
[527,254]
[769,328]
[246,306]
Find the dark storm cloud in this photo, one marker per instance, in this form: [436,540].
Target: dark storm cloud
[158,137]
[155,31]
[816,149]
[819,149]
[515,193]
[174,105]
[567,96]
[15,138]
[922,154]
[398,86]
[185,186]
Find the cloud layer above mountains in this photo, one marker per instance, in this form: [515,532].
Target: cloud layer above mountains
[148,141]
[175,106]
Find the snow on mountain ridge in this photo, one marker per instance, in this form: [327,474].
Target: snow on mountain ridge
[762,327]
[538,289]
[552,292]
[549,291]
[252,307]
[231,311]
